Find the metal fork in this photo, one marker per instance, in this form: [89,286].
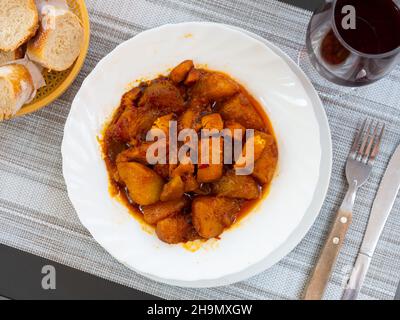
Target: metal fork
[358,168]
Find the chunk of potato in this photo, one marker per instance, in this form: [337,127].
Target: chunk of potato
[211,215]
[161,94]
[212,171]
[209,173]
[239,109]
[212,121]
[161,210]
[191,183]
[173,190]
[214,87]
[176,229]
[260,141]
[234,186]
[265,167]
[192,77]
[162,123]
[179,73]
[186,172]
[144,185]
[190,119]
[187,119]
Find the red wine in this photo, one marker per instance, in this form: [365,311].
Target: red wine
[360,56]
[377,25]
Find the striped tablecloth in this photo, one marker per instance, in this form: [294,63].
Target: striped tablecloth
[36,215]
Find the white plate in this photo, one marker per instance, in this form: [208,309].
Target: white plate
[271,230]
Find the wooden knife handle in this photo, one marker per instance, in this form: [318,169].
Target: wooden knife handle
[319,280]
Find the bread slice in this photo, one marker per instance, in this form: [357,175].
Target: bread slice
[16,89]
[19,21]
[59,40]
[8,56]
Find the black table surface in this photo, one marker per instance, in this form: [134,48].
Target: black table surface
[21,273]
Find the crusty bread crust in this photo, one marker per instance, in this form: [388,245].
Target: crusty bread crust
[30,32]
[20,87]
[8,56]
[35,26]
[36,45]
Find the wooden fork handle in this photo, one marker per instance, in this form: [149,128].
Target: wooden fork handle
[322,272]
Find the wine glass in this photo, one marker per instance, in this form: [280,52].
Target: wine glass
[352,43]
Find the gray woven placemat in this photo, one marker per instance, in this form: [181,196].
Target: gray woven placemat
[36,215]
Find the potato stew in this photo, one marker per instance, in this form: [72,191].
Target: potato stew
[186,201]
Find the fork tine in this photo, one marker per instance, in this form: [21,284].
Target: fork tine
[356,142]
[372,137]
[375,150]
[364,139]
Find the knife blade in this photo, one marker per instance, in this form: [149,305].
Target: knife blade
[383,204]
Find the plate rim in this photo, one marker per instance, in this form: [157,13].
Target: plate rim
[320,191]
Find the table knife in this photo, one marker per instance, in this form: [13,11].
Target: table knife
[381,208]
